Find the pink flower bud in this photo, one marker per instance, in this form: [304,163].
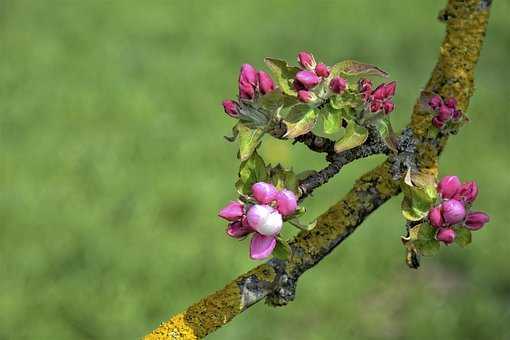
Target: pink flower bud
[457,114]
[388,107]
[266,84]
[248,74]
[338,84]
[298,86]
[435,218]
[375,106]
[451,103]
[263,192]
[232,211]
[308,79]
[449,186]
[389,89]
[468,192]
[264,219]
[322,70]
[231,108]
[453,211]
[444,113]
[246,90]
[435,102]
[476,220]
[286,202]
[379,92]
[306,96]
[306,60]
[238,230]
[437,122]
[365,85]
[261,246]
[446,235]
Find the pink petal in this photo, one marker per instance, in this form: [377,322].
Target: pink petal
[238,230]
[261,246]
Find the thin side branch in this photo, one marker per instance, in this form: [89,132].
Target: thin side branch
[276,280]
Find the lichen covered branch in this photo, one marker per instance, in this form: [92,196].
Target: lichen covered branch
[466,22]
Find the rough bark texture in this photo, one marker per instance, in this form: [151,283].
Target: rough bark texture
[276,280]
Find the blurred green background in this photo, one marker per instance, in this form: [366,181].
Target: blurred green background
[113,167]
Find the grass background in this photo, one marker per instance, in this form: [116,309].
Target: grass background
[113,167]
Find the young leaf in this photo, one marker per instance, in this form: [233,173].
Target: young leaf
[306,122]
[355,135]
[235,133]
[251,171]
[249,139]
[462,236]
[387,134]
[283,73]
[283,178]
[282,250]
[355,68]
[332,121]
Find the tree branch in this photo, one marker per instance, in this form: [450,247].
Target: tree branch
[452,77]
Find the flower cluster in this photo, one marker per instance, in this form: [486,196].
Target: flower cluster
[454,209]
[251,84]
[445,111]
[379,99]
[311,75]
[262,215]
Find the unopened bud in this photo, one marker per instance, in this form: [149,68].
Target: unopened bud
[449,186]
[322,70]
[306,96]
[263,192]
[238,230]
[453,211]
[437,122]
[232,211]
[468,192]
[286,202]
[476,220]
[306,60]
[264,219]
[446,235]
[338,84]
[379,92]
[435,102]
[248,74]
[266,84]
[231,108]
[444,113]
[389,89]
[308,79]
[246,90]
[435,218]
[388,107]
[451,103]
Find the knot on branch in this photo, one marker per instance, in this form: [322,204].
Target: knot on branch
[283,288]
[406,157]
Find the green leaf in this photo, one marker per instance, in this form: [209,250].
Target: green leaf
[235,133]
[300,120]
[272,101]
[386,132]
[356,68]
[427,248]
[355,135]
[249,140]
[283,73]
[282,251]
[251,171]
[332,121]
[252,116]
[462,236]
[410,211]
[283,178]
[419,195]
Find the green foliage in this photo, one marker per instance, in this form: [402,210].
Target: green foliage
[249,140]
[462,236]
[419,195]
[282,250]
[300,120]
[283,74]
[352,68]
[355,135]
[251,171]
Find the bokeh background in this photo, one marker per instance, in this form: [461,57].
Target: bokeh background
[113,167]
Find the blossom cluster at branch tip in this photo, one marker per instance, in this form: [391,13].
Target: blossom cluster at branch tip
[311,75]
[262,214]
[455,208]
[445,111]
[251,84]
[380,98]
